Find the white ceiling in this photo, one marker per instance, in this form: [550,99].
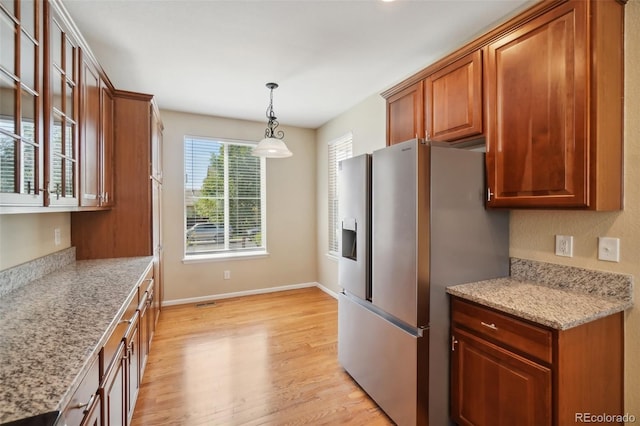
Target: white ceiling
[214,57]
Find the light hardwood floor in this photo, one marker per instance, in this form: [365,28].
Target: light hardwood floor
[269,359]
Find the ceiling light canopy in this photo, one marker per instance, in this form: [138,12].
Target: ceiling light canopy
[272,146]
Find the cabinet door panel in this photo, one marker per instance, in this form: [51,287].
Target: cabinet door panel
[90,166]
[21,150]
[61,116]
[107,148]
[454,100]
[537,148]
[494,387]
[132,365]
[114,390]
[94,413]
[405,114]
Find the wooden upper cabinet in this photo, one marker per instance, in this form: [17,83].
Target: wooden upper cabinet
[61,111]
[554,110]
[90,144]
[453,100]
[96,138]
[107,139]
[405,114]
[130,225]
[21,138]
[156,144]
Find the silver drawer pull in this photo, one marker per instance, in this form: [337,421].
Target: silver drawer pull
[491,326]
[85,407]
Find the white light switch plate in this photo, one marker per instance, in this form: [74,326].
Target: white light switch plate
[609,249]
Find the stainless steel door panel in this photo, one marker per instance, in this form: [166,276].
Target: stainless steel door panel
[469,243]
[354,264]
[382,358]
[395,234]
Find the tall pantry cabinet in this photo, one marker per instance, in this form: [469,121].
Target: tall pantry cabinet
[132,226]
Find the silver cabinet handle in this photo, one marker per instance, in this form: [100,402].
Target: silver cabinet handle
[453,343]
[491,326]
[489,194]
[85,406]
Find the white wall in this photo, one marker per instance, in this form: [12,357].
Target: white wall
[366,121]
[24,237]
[291,213]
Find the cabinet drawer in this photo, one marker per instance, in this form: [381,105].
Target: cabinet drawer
[84,397]
[147,284]
[110,348]
[517,334]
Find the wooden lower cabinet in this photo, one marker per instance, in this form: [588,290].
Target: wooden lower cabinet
[85,402]
[108,391]
[146,319]
[121,381]
[132,366]
[114,390]
[93,415]
[496,387]
[510,371]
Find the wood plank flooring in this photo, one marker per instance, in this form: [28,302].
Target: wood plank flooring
[269,359]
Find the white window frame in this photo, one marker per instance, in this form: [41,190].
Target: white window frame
[338,149]
[227,252]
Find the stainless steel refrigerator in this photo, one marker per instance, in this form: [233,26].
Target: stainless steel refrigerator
[413,221]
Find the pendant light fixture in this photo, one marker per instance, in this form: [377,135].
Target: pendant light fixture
[272,146]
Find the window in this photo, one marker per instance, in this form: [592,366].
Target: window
[224,198]
[339,149]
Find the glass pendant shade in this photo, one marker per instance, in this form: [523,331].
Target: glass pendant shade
[272,148]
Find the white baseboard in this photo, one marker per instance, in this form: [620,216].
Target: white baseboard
[247,293]
[327,290]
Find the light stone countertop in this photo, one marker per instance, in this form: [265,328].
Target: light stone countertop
[553,307]
[555,296]
[51,327]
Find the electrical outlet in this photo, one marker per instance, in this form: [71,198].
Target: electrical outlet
[609,249]
[56,236]
[564,245]
[227,275]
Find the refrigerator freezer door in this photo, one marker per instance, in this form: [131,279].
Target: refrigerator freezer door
[399,200]
[469,243]
[385,360]
[354,264]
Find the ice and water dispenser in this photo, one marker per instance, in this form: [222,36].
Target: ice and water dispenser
[349,238]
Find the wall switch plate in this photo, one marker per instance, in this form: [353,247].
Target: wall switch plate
[227,275]
[609,249]
[564,245]
[56,236]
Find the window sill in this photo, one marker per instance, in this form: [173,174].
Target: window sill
[220,257]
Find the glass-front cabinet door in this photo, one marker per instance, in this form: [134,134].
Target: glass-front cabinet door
[62,115]
[21,133]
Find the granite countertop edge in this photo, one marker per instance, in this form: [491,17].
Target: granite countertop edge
[71,295]
[555,308]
